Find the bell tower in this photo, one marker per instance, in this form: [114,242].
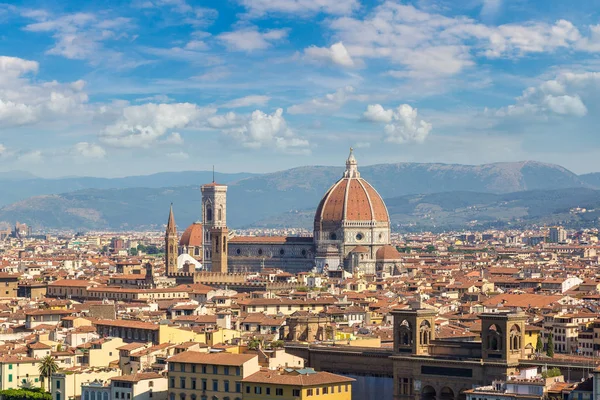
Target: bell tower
[502,336]
[414,329]
[171,244]
[214,215]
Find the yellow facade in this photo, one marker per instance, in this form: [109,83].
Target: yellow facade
[173,334]
[268,392]
[15,372]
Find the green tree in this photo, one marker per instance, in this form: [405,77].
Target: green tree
[550,346]
[430,248]
[539,345]
[48,366]
[25,393]
[133,251]
[152,250]
[254,344]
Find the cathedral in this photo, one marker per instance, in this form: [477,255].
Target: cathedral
[351,233]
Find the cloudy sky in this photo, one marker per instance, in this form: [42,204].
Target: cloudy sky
[116,88]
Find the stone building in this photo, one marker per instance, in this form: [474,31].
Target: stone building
[351,232]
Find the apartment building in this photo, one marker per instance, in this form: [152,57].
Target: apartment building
[196,375]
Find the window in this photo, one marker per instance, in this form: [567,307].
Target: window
[296,392]
[215,370]
[172,396]
[182,383]
[247,389]
[128,396]
[226,370]
[58,384]
[204,384]
[346,387]
[194,383]
[151,384]
[9,366]
[172,383]
[226,386]
[194,368]
[117,394]
[325,390]
[309,392]
[279,392]
[57,396]
[237,371]
[215,385]
[204,369]
[268,390]
[10,376]
[171,367]
[182,367]
[238,387]
[150,393]
[257,390]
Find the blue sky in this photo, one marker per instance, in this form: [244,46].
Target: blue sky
[117,88]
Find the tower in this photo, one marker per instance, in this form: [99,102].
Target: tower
[214,215]
[218,238]
[502,336]
[414,329]
[171,244]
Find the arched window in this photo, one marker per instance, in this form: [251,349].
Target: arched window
[182,396]
[93,395]
[86,396]
[209,215]
[494,338]
[220,214]
[105,396]
[515,338]
[424,333]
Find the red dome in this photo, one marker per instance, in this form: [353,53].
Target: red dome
[192,236]
[351,199]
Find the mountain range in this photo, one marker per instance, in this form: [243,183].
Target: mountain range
[418,195]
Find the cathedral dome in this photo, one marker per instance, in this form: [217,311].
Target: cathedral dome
[387,253]
[351,199]
[192,236]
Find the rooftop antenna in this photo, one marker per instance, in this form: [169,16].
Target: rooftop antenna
[213,173]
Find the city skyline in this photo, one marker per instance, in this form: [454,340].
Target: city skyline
[258,86]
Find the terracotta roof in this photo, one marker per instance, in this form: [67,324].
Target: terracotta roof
[127,324]
[296,379]
[71,283]
[352,199]
[192,236]
[194,357]
[387,253]
[140,376]
[359,249]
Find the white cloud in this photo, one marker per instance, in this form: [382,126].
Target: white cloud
[253,100]
[192,15]
[299,8]
[250,39]
[376,113]
[268,131]
[566,95]
[429,45]
[402,124]
[89,150]
[180,155]
[227,120]
[490,8]
[158,98]
[25,101]
[214,74]
[336,54]
[329,103]
[143,125]
[31,157]
[81,36]
[174,138]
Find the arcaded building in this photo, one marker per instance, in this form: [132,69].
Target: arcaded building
[351,232]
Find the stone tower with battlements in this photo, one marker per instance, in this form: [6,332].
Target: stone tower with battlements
[171,242]
[214,222]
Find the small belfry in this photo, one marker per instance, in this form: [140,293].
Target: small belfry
[171,249]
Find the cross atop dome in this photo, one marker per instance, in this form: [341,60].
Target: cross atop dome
[351,166]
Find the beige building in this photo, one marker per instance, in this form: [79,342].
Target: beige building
[17,370]
[140,386]
[67,386]
[195,375]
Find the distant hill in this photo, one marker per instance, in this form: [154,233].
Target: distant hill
[284,198]
[472,210]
